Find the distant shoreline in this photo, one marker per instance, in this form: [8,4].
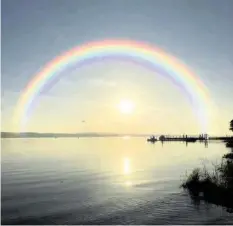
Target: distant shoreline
[65,135]
[82,135]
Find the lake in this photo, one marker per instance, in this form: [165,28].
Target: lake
[104,181]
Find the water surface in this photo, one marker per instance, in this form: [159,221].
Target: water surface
[103,181]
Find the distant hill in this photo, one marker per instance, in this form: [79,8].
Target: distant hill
[44,135]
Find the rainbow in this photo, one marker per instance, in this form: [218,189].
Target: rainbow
[141,53]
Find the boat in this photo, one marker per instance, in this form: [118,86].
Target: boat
[152,139]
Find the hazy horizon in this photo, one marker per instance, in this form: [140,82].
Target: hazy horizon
[112,96]
[103,134]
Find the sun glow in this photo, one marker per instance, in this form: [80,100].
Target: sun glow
[126,106]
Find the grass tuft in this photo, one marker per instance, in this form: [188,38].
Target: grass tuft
[214,187]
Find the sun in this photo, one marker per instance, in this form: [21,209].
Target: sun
[126,106]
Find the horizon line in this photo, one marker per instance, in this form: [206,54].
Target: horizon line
[108,133]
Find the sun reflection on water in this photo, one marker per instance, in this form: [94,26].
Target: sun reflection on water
[128,183]
[127,171]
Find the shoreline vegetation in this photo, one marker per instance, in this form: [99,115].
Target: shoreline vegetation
[214,187]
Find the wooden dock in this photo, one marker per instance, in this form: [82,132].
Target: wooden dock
[186,138]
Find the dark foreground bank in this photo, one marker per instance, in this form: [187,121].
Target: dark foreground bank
[214,187]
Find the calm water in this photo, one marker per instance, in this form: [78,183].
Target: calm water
[103,181]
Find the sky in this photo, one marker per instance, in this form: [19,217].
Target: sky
[113,96]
